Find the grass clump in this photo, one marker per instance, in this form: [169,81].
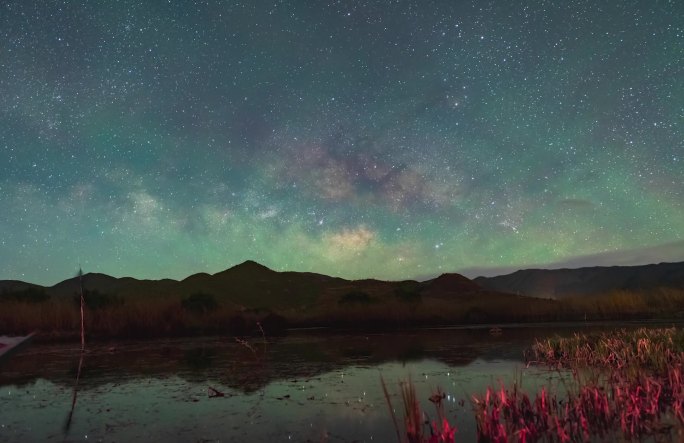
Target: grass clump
[643,348]
[418,428]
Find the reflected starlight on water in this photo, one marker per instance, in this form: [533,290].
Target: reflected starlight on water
[306,387]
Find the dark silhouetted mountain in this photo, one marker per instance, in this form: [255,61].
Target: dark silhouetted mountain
[125,286]
[252,285]
[16,285]
[91,280]
[561,283]
[450,285]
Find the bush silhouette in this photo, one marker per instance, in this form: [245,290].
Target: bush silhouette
[408,295]
[98,300]
[28,295]
[200,303]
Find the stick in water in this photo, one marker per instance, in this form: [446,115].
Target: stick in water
[67,424]
[80,282]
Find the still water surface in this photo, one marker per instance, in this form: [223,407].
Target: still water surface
[308,386]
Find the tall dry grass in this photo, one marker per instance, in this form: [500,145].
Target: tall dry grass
[156,317]
[417,426]
[60,319]
[393,313]
[622,304]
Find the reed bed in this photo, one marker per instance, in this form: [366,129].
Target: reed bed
[622,304]
[635,391]
[418,428]
[635,409]
[116,317]
[60,320]
[643,348]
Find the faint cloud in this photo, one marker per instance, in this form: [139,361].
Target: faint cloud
[268,213]
[144,204]
[78,196]
[576,204]
[81,192]
[667,252]
[216,218]
[121,176]
[143,213]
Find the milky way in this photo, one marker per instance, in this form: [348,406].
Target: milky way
[358,139]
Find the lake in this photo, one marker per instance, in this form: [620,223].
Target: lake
[309,386]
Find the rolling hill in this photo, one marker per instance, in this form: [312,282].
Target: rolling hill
[252,285]
[239,298]
[563,283]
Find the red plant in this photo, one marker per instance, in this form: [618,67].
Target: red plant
[441,431]
[638,391]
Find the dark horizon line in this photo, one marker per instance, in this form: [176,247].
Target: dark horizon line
[418,278]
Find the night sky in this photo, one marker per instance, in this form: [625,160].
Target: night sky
[387,139]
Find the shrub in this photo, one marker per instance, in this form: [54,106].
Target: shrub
[407,295]
[355,297]
[200,303]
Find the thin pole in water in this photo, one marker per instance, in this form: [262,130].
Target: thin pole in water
[67,425]
[80,281]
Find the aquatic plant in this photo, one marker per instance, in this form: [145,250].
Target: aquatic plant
[653,349]
[636,390]
[417,424]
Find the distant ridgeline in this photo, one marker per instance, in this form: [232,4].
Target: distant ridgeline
[251,290]
[250,298]
[563,283]
[251,284]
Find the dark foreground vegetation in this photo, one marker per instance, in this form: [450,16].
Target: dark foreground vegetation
[112,316]
[625,385]
[620,386]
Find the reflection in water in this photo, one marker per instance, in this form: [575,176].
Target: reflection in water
[67,424]
[298,355]
[199,358]
[305,387]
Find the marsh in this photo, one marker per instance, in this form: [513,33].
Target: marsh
[318,385]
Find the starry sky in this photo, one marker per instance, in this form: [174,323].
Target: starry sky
[388,139]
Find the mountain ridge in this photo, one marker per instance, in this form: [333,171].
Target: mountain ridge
[252,284]
[567,282]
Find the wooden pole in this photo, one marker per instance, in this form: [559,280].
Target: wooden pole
[80,281]
[67,425]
